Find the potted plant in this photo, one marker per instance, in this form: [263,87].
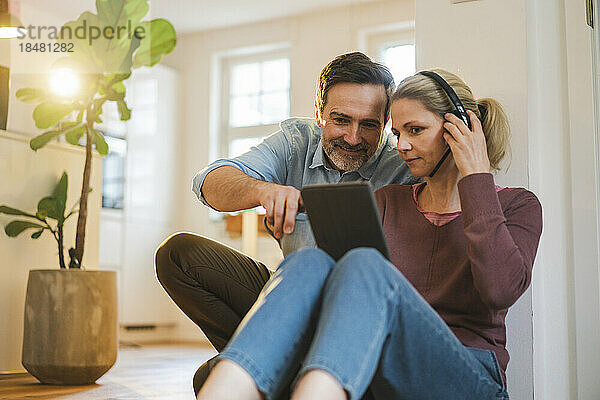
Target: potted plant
[62,343]
[70,334]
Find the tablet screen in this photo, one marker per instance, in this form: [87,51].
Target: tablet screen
[344,216]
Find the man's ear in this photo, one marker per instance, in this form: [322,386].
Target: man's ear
[317,114]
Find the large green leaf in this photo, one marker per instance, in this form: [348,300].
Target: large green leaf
[101,145]
[114,95]
[60,194]
[77,33]
[109,34]
[14,228]
[111,79]
[72,129]
[124,110]
[13,211]
[74,134]
[32,95]
[48,208]
[136,41]
[123,16]
[119,87]
[115,13]
[160,39]
[50,113]
[41,140]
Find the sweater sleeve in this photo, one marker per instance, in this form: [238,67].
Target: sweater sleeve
[501,245]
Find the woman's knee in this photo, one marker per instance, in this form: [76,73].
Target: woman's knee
[365,263]
[307,263]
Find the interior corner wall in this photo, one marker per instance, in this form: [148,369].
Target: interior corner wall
[484,42]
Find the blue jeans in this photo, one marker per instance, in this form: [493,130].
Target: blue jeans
[360,320]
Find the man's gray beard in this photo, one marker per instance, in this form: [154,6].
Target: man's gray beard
[343,161]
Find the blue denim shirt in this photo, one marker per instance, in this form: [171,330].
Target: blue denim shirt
[293,156]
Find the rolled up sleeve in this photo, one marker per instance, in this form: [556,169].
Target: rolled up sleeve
[266,161]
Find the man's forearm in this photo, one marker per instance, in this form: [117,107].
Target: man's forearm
[229,189]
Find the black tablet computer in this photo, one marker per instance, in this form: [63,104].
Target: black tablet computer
[344,216]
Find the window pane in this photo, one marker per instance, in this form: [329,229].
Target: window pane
[243,111]
[113,174]
[275,107]
[240,146]
[245,79]
[275,75]
[112,124]
[144,93]
[400,60]
[144,122]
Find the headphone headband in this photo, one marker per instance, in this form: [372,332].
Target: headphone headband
[451,94]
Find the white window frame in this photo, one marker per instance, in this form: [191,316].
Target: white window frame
[228,133]
[373,40]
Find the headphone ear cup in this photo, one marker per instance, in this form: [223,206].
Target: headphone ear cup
[455,112]
[462,118]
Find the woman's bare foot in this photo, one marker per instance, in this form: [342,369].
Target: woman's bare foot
[229,381]
[319,384]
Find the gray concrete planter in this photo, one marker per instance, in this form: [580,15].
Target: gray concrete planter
[70,332]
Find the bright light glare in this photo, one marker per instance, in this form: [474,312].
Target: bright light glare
[9,32]
[64,82]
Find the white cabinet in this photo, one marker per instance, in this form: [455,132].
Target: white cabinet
[129,237]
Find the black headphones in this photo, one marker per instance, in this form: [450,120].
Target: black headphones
[460,111]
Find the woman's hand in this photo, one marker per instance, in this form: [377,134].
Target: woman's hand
[468,147]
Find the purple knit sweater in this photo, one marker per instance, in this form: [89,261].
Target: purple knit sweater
[472,269]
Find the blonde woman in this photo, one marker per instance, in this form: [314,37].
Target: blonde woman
[430,323]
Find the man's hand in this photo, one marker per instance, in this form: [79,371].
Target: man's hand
[229,189]
[282,204]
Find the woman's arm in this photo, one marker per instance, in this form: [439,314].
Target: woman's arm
[501,245]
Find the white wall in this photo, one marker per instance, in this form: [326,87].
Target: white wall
[27,177]
[564,170]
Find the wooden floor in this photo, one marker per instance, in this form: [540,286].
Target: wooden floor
[146,372]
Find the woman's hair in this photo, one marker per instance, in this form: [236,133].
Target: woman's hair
[489,111]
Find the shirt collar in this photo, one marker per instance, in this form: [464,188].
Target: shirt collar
[318,157]
[366,171]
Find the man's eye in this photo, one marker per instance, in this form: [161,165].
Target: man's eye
[415,130]
[370,125]
[340,120]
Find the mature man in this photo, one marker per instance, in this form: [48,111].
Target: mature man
[215,285]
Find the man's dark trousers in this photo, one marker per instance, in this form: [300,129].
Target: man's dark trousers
[213,284]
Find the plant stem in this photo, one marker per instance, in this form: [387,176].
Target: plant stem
[85,187]
[61,254]
[59,237]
